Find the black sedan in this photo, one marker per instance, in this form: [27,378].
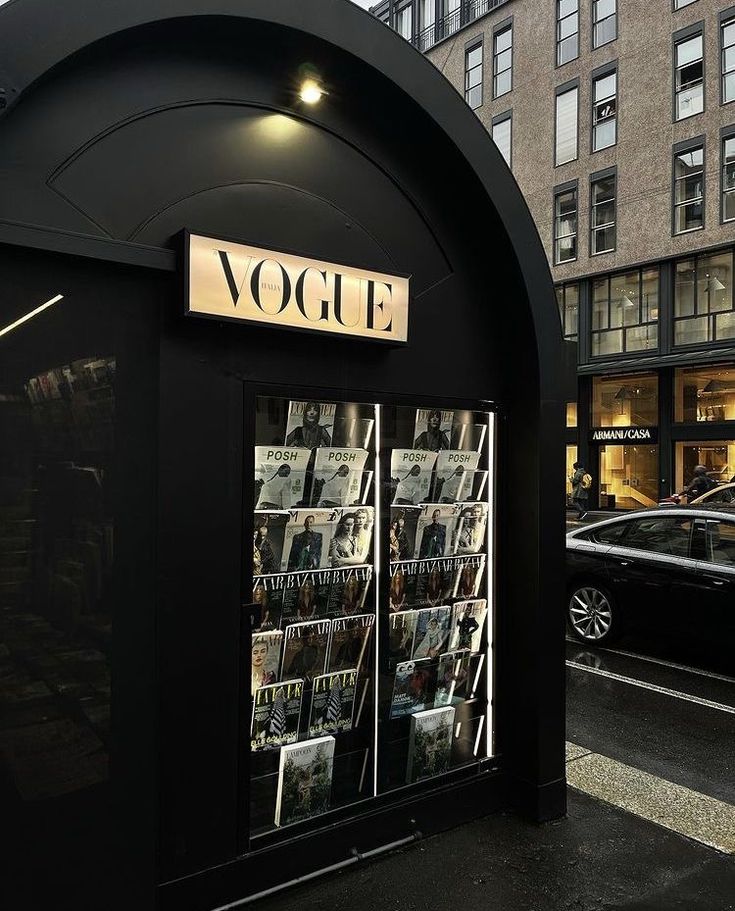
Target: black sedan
[671,569]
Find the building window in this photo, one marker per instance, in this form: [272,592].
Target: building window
[689,189]
[502,61]
[688,77]
[567,31]
[565,225]
[728,177]
[502,133]
[704,394]
[602,213]
[451,17]
[404,21]
[567,298]
[625,401]
[604,111]
[566,125]
[703,300]
[680,4]
[473,76]
[604,22]
[625,312]
[727,37]
[718,457]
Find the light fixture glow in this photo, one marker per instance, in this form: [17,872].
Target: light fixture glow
[311,91]
[24,319]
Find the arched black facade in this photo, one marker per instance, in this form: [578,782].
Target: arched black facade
[125,123]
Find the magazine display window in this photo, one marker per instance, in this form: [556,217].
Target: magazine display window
[369,641]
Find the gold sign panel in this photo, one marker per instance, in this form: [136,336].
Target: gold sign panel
[232,281]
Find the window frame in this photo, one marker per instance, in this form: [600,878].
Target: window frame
[558,21]
[598,177]
[470,47]
[563,89]
[676,5]
[593,4]
[561,190]
[603,72]
[401,8]
[505,26]
[713,342]
[681,148]
[496,121]
[561,289]
[680,37]
[625,351]
[726,134]
[725,19]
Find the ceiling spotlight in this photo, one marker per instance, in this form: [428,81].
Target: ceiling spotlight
[310,91]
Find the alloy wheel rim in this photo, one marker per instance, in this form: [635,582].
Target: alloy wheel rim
[590,613]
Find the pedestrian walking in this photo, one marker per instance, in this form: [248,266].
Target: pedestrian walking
[581,482]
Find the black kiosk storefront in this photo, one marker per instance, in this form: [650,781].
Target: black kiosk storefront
[281,513]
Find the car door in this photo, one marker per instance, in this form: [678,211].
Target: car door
[712,615]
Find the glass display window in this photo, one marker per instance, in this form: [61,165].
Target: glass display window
[718,456]
[704,394]
[571,415]
[571,453]
[629,476]
[625,401]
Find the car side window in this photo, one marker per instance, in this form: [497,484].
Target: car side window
[720,545]
[610,534]
[722,496]
[660,535]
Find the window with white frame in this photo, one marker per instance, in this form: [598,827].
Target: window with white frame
[502,61]
[565,224]
[567,113]
[604,110]
[728,177]
[404,21]
[727,40]
[680,4]
[688,77]
[567,31]
[689,189]
[602,213]
[502,134]
[473,76]
[604,22]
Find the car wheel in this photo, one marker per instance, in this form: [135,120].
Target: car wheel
[591,614]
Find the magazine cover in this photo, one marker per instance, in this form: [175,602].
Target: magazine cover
[333,702]
[436,531]
[305,647]
[265,652]
[410,475]
[352,536]
[268,593]
[468,436]
[353,432]
[280,476]
[468,619]
[401,629]
[468,576]
[348,590]
[402,533]
[306,538]
[276,713]
[268,536]
[430,743]
[338,477]
[434,580]
[413,687]
[433,429]
[452,679]
[348,642]
[310,424]
[304,780]
[432,632]
[305,596]
[471,532]
[454,475]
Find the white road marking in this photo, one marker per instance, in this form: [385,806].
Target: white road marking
[665,691]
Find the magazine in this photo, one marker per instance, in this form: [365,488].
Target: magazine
[304,780]
[268,593]
[432,632]
[430,743]
[276,713]
[352,432]
[352,536]
[452,678]
[310,424]
[305,596]
[305,647]
[402,590]
[333,702]
[402,534]
[433,429]
[306,539]
[265,652]
[454,475]
[348,642]
[413,687]
[402,627]
[338,477]
[280,476]
[468,576]
[436,532]
[269,529]
[435,581]
[472,528]
[468,620]
[410,474]
[348,590]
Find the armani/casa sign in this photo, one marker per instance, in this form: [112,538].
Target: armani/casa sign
[232,281]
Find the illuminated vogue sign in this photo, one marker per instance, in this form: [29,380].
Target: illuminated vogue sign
[232,281]
[624,435]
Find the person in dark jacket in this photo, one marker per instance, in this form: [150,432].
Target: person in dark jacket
[580,493]
[700,483]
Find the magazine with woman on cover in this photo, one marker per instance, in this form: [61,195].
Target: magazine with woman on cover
[352,537]
[269,529]
[454,475]
[265,658]
[338,477]
[436,532]
[472,529]
[280,476]
[433,429]
[310,424]
[305,647]
[348,641]
[348,590]
[411,474]
[432,632]
[468,620]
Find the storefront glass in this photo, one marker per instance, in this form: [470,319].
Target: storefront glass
[625,401]
[717,456]
[628,476]
[703,300]
[571,414]
[704,394]
[571,459]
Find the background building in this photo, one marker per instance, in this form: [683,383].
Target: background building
[618,121]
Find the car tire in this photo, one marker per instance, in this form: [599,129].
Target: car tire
[592,616]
